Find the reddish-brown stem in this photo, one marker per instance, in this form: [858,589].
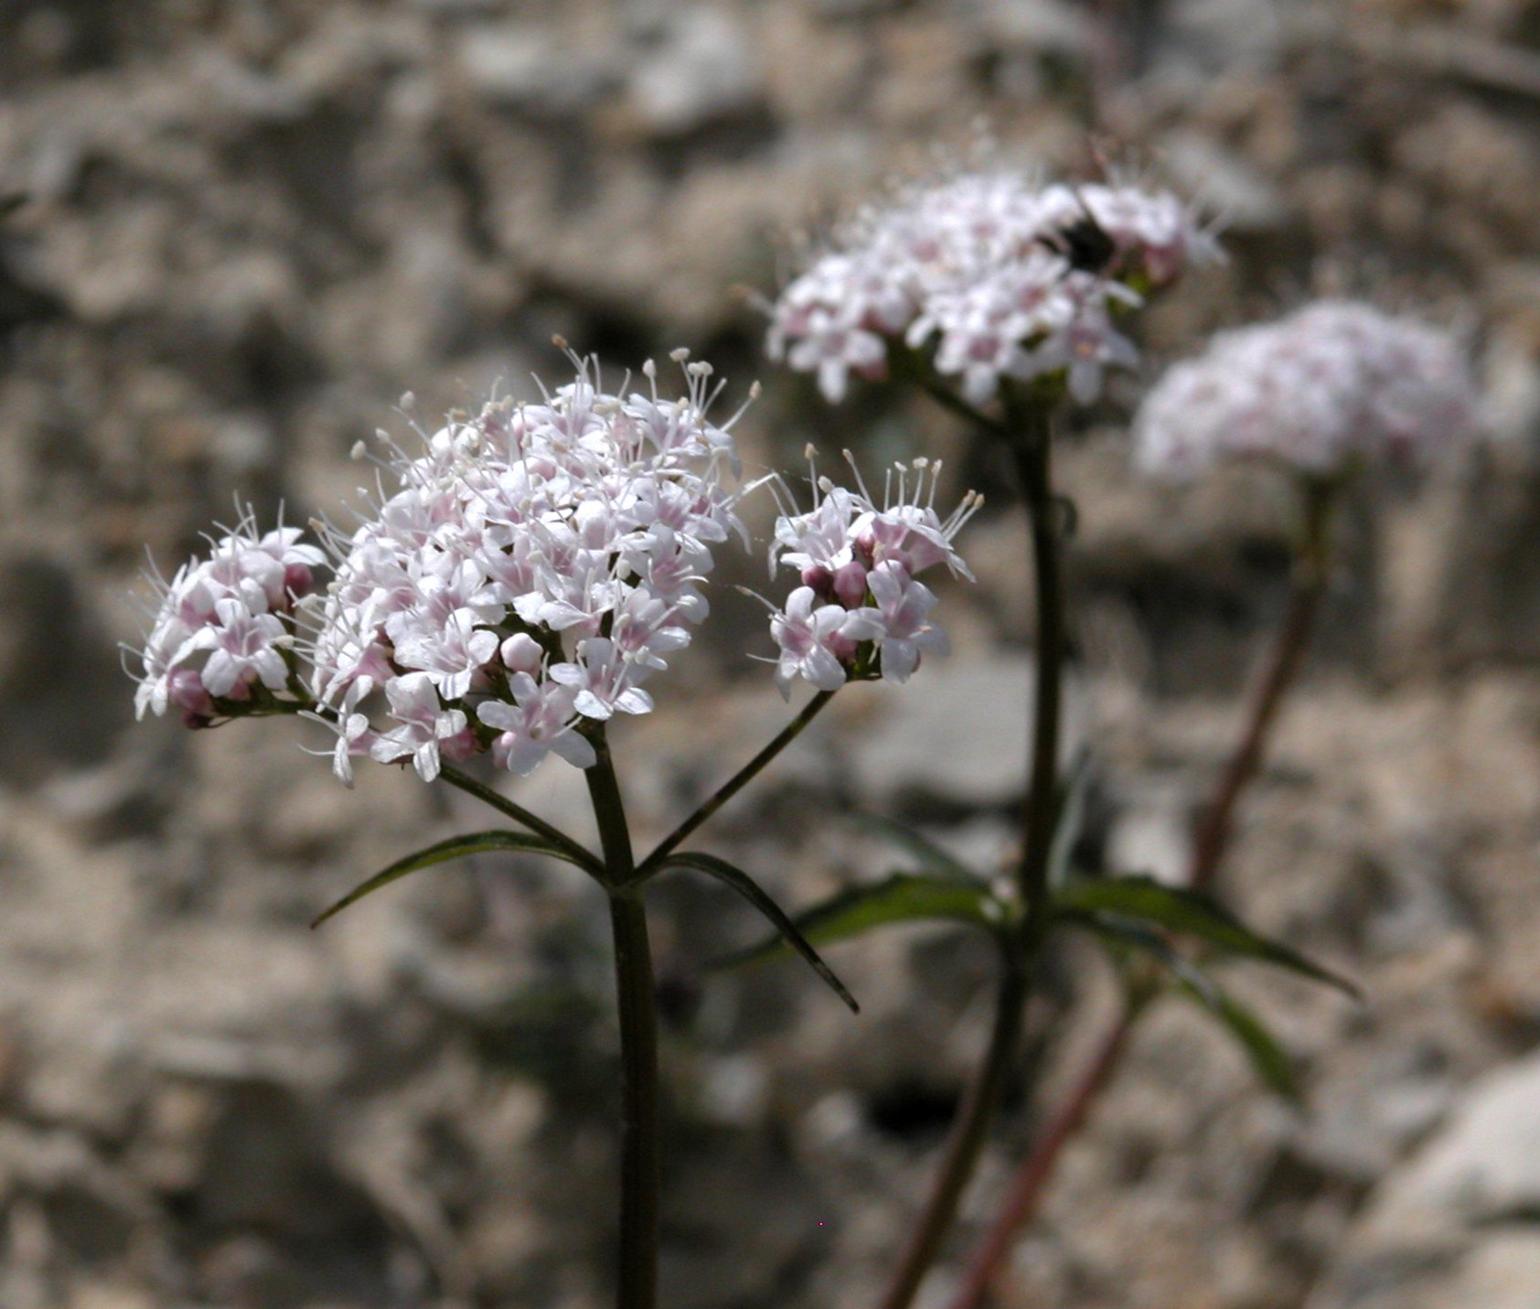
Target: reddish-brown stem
[1212,837]
[1209,846]
[1036,1170]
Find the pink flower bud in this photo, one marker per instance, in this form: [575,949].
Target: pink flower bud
[298,580]
[459,747]
[820,579]
[842,647]
[850,584]
[522,653]
[185,690]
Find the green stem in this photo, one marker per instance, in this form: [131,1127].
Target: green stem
[1032,452]
[969,1131]
[519,814]
[640,1167]
[732,786]
[1280,671]
[1030,449]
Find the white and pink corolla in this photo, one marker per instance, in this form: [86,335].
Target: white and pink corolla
[860,610]
[521,577]
[223,626]
[994,276]
[1329,387]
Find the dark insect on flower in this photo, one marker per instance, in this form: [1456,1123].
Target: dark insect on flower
[1083,242]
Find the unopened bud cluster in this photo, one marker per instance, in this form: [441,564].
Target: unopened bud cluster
[1331,386]
[999,277]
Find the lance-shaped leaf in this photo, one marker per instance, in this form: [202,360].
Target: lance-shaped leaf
[750,890]
[442,852]
[1070,821]
[1176,909]
[901,898]
[931,857]
[1268,1059]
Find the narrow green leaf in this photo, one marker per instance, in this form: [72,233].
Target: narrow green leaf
[1176,909]
[442,852]
[901,898]
[751,891]
[1269,1060]
[1071,819]
[931,857]
[1267,1057]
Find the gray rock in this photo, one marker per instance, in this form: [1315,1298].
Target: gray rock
[1449,1227]
[524,67]
[700,67]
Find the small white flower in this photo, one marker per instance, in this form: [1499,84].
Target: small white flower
[242,647]
[422,724]
[538,723]
[816,639]
[604,681]
[904,605]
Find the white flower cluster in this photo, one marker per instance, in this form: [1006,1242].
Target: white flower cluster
[537,564]
[528,571]
[1331,385]
[224,625]
[1009,280]
[861,610]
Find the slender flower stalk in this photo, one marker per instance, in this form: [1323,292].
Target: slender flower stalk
[1037,1169]
[732,786]
[1030,445]
[584,857]
[1306,590]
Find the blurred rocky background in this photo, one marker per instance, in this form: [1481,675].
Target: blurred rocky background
[231,233]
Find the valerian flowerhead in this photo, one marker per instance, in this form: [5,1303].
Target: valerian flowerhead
[528,570]
[997,277]
[1328,388]
[514,582]
[860,610]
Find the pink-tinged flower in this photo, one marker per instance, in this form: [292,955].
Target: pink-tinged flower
[539,722]
[979,269]
[1331,386]
[221,624]
[422,723]
[904,606]
[809,638]
[603,680]
[452,655]
[584,524]
[242,647]
[1083,351]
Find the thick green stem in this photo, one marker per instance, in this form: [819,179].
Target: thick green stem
[640,1168]
[732,786]
[969,1131]
[521,815]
